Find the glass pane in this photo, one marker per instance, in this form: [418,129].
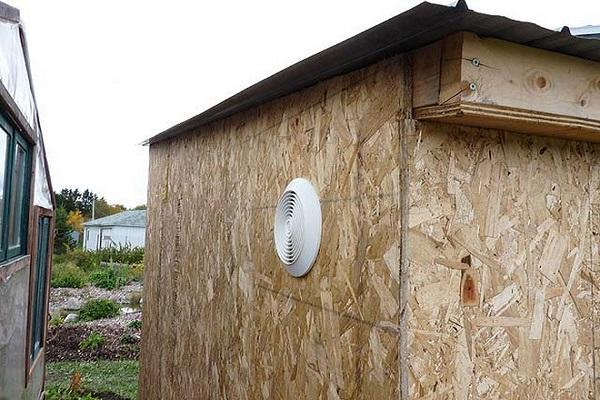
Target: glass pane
[17,193]
[3,141]
[39,299]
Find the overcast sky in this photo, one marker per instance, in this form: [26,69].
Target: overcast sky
[109,74]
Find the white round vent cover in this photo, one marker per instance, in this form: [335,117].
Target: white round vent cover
[298,227]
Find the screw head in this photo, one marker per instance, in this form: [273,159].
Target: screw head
[476,62]
[472,86]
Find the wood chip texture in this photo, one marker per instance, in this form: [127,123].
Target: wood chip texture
[223,320]
[526,210]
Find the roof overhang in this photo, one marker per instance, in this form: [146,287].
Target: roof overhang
[413,29]
[9,13]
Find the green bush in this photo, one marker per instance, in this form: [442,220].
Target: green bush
[135,324]
[84,259]
[92,342]
[110,277]
[67,275]
[98,309]
[122,255]
[136,272]
[128,338]
[56,319]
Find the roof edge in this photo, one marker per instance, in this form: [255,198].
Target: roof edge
[9,13]
[412,29]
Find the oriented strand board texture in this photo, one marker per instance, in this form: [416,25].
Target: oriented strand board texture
[222,318]
[526,210]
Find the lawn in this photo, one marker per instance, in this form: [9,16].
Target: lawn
[119,377]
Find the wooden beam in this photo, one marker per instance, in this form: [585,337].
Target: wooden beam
[497,117]
[493,83]
[8,104]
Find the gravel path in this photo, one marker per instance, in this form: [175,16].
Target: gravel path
[120,339]
[73,299]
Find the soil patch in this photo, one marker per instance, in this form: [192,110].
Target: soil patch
[107,396]
[120,342]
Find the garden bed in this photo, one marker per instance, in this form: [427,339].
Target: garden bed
[120,340]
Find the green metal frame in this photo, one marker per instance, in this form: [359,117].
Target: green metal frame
[39,295]
[14,139]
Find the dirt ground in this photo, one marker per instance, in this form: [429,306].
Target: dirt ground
[120,340]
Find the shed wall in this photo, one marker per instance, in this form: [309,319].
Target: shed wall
[14,293]
[129,235]
[526,210]
[222,318]
[121,236]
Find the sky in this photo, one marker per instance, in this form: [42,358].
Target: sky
[110,74]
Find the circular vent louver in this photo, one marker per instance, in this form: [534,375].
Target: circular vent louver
[298,227]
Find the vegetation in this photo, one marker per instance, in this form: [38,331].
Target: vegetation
[75,220]
[135,298]
[74,200]
[73,208]
[62,230]
[136,273]
[119,377]
[56,319]
[122,255]
[98,309]
[128,338]
[135,324]
[109,278]
[68,275]
[64,393]
[107,268]
[92,342]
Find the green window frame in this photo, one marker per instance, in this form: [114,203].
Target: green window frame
[14,198]
[39,291]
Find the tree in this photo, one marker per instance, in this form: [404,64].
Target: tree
[62,230]
[86,203]
[68,199]
[75,220]
[74,200]
[140,207]
[103,209]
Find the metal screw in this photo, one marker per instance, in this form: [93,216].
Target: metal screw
[476,62]
[473,86]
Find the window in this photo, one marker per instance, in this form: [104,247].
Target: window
[39,290]
[15,166]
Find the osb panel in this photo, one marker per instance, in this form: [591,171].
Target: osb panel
[222,318]
[518,216]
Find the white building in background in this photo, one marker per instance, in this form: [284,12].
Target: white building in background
[127,228]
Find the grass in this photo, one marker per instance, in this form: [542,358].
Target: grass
[120,377]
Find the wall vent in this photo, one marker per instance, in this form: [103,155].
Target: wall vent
[298,227]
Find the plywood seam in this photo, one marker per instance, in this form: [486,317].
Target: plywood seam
[405,122]
[591,283]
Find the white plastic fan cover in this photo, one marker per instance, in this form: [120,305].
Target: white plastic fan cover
[298,227]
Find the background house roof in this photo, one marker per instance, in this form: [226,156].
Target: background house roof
[417,27]
[125,218]
[588,31]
